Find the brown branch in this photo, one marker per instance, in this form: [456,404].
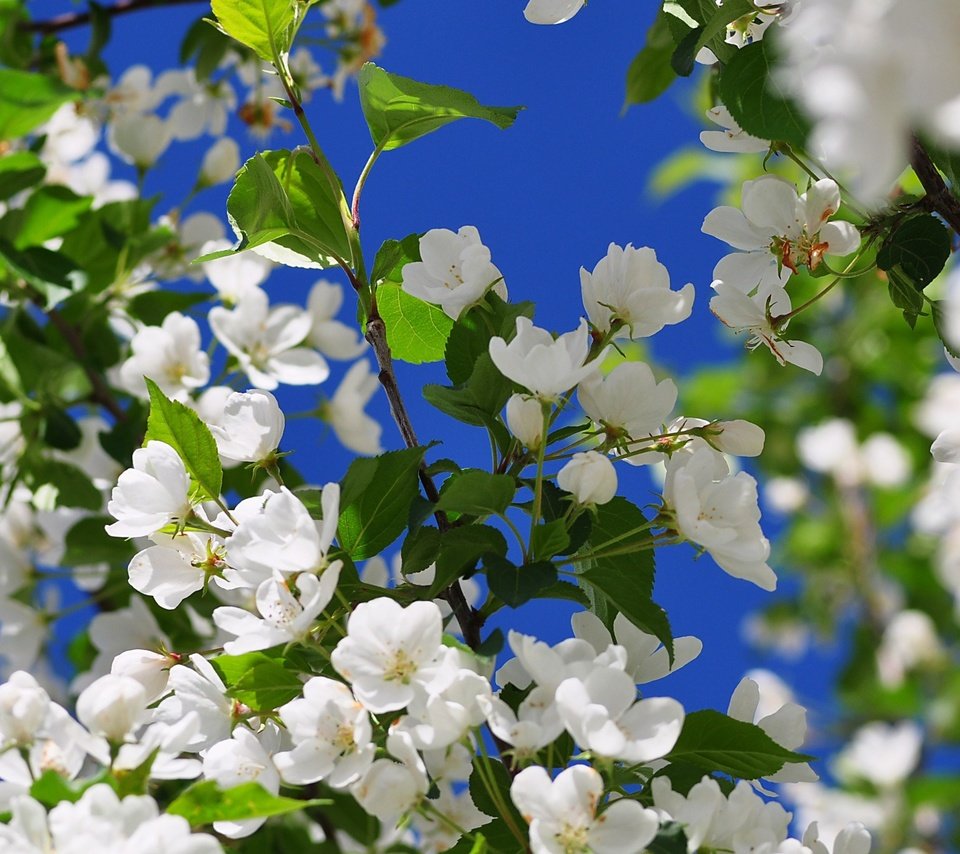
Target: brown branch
[938,197]
[469,619]
[79,19]
[101,391]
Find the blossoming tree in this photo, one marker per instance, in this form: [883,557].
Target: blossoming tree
[257,678]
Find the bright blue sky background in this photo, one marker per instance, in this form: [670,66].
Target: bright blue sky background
[547,195]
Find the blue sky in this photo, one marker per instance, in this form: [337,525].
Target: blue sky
[547,196]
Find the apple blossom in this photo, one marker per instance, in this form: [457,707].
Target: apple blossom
[220,163]
[647,660]
[524,416]
[251,427]
[390,652]
[455,271]
[265,341]
[534,725]
[759,316]
[23,631]
[544,366]
[285,615]
[233,275]
[551,11]
[732,138]
[331,733]
[245,757]
[776,231]
[389,789]
[198,690]
[154,493]
[168,354]
[150,669]
[354,428]
[881,753]
[628,402]
[631,287]
[139,139]
[718,511]
[113,706]
[176,566]
[562,814]
[455,815]
[24,706]
[589,477]
[331,337]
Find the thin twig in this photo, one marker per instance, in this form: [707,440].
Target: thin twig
[80,19]
[468,618]
[938,197]
[101,391]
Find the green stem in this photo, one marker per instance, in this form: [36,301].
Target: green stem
[538,486]
[361,182]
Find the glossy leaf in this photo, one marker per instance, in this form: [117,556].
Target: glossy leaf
[205,803]
[477,493]
[181,428]
[399,110]
[262,25]
[27,100]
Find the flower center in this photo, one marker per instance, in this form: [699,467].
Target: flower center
[401,668]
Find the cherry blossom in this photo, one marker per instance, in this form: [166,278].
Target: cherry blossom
[589,477]
[168,354]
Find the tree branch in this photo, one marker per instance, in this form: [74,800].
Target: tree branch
[468,618]
[938,197]
[101,391]
[79,19]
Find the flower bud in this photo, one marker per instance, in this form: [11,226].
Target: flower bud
[150,669]
[525,420]
[251,427]
[220,163]
[23,708]
[740,438]
[112,706]
[590,477]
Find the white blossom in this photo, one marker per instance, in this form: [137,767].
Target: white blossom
[883,754]
[170,355]
[265,341]
[562,814]
[331,337]
[344,411]
[589,477]
[551,11]
[139,139]
[455,271]
[732,138]
[233,275]
[113,707]
[631,286]
[251,427]
[220,163]
[154,493]
[628,401]
[544,366]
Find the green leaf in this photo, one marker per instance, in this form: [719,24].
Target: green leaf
[497,777]
[715,742]
[757,100]
[479,400]
[904,294]
[375,501]
[34,365]
[712,34]
[257,680]
[920,245]
[265,26]
[207,44]
[60,484]
[548,540]
[51,789]
[650,74]
[53,274]
[623,573]
[86,542]
[399,110]
[50,211]
[416,331]
[151,307]
[517,584]
[28,100]
[283,204]
[470,337]
[18,171]
[461,550]
[134,781]
[205,803]
[181,428]
[420,549]
[477,493]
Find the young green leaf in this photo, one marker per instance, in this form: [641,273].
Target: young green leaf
[399,110]
[375,501]
[416,331]
[477,493]
[18,171]
[181,428]
[205,803]
[28,100]
[715,742]
[757,100]
[265,26]
[284,206]
[650,74]
[257,680]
